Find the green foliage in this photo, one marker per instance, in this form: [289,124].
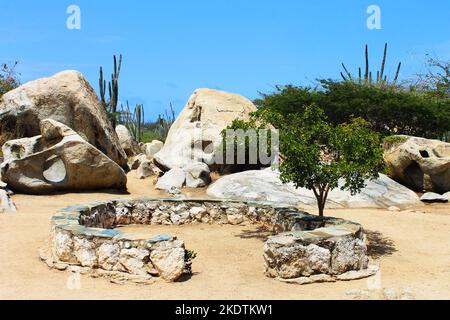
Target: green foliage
[159,129]
[244,140]
[9,79]
[189,256]
[317,154]
[113,90]
[389,110]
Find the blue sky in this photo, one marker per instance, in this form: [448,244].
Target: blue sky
[170,48]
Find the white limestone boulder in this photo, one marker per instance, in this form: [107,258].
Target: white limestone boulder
[58,160]
[196,133]
[66,97]
[265,185]
[421,164]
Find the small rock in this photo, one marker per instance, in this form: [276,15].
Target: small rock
[394,208]
[235,219]
[197,213]
[169,263]
[431,197]
[6,204]
[173,179]
[137,160]
[197,175]
[358,274]
[152,148]
[145,169]
[61,266]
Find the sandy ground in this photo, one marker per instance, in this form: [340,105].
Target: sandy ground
[412,247]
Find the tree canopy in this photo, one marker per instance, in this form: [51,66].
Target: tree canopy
[316,154]
[387,109]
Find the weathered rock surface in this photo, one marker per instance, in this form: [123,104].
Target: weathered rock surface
[66,97]
[152,148]
[431,197]
[447,195]
[421,164]
[169,263]
[136,161]
[146,169]
[172,180]
[195,135]
[197,175]
[127,142]
[58,160]
[265,185]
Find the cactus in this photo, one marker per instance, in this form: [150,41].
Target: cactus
[134,121]
[113,90]
[381,78]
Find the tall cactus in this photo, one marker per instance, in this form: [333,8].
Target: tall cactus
[381,78]
[113,91]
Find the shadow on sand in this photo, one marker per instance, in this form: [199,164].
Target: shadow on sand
[379,245]
[260,233]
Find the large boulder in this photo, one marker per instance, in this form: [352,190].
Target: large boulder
[265,185]
[58,160]
[127,142]
[66,97]
[195,135]
[421,164]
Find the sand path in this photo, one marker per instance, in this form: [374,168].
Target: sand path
[413,249]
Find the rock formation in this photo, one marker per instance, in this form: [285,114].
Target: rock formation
[66,97]
[195,134]
[58,160]
[421,164]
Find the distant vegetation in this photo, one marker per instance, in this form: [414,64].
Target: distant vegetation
[9,78]
[388,110]
[420,107]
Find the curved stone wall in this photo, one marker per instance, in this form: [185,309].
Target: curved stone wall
[304,248]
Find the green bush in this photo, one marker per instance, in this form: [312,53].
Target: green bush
[388,110]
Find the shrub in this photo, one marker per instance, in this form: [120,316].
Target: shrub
[388,110]
[9,78]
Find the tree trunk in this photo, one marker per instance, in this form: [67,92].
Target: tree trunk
[321,204]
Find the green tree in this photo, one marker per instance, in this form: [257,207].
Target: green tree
[316,154]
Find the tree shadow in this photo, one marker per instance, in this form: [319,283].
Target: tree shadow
[260,233]
[187,276]
[379,245]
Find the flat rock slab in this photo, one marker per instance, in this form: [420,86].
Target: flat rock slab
[265,185]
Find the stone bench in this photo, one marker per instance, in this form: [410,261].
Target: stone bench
[303,249]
